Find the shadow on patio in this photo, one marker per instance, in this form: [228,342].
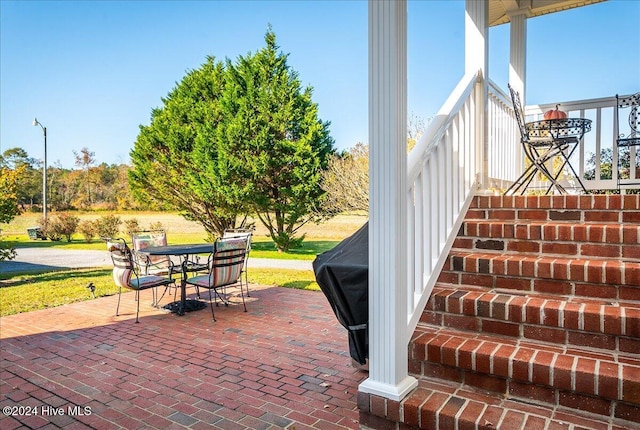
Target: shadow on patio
[283,364]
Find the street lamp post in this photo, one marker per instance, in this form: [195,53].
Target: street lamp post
[44,171]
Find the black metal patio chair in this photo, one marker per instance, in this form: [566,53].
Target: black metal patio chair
[542,141]
[153,264]
[127,274]
[226,264]
[246,233]
[628,136]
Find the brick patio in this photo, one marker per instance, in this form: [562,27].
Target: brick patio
[283,364]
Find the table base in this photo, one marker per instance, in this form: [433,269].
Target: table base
[189,306]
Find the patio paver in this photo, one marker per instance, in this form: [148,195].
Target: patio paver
[283,364]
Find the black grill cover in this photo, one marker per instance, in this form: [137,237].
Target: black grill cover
[343,276]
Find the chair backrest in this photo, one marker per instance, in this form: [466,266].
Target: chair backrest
[145,239]
[628,113]
[227,261]
[245,233]
[519,111]
[123,264]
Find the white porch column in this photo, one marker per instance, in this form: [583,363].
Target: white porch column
[476,59]
[388,333]
[476,37]
[518,50]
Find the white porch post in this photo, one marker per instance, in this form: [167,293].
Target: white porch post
[476,37]
[388,333]
[518,50]
[476,59]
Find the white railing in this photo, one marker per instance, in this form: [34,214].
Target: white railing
[503,140]
[442,175]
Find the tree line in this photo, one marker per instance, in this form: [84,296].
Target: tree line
[90,187]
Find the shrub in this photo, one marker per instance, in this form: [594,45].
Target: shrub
[47,228]
[88,230]
[108,226]
[156,226]
[62,225]
[131,225]
[50,232]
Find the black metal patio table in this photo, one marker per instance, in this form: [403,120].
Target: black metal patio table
[183,251]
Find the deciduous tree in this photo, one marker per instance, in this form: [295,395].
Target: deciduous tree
[8,203]
[346,180]
[85,159]
[8,193]
[29,189]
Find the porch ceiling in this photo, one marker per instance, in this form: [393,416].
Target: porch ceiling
[499,9]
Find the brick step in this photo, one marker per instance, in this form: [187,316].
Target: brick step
[528,369]
[440,404]
[611,240]
[587,203]
[563,321]
[598,278]
[576,209]
[634,304]
[576,215]
[534,321]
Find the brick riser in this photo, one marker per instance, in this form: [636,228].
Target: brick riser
[597,279]
[559,239]
[537,317]
[534,323]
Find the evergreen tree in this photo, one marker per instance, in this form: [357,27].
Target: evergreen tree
[272,147]
[175,157]
[235,138]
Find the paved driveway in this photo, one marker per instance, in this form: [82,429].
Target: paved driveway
[58,259]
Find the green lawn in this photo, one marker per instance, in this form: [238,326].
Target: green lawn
[261,247]
[319,238]
[29,292]
[23,292]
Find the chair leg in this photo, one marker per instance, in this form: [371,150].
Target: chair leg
[567,157]
[246,281]
[166,288]
[242,294]
[223,297]
[119,294]
[211,305]
[137,306]
[522,182]
[538,158]
[553,179]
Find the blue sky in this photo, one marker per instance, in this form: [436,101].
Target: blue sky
[92,71]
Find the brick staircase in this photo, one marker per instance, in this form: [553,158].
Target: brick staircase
[534,322]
